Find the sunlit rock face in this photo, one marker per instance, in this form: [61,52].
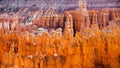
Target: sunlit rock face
[69,24]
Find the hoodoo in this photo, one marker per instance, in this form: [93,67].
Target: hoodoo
[59,33]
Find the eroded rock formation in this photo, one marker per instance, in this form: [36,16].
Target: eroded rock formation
[94,18]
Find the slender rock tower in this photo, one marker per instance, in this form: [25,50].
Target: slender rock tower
[83,8]
[69,25]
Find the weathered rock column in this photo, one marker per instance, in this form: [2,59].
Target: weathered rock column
[85,15]
[69,25]
[15,21]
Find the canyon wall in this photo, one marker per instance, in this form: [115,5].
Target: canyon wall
[99,19]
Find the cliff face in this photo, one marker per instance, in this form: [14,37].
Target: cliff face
[56,21]
[99,19]
[104,17]
[48,16]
